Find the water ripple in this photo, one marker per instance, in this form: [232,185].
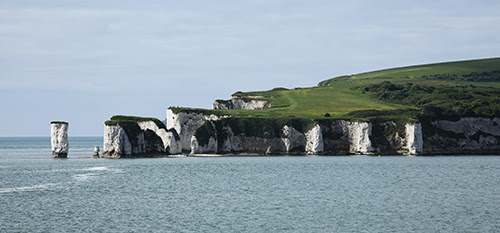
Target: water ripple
[42,187]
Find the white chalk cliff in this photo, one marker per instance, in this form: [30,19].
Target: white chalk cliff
[467,135]
[414,138]
[293,139]
[353,137]
[359,136]
[240,103]
[59,140]
[185,124]
[471,125]
[170,143]
[118,144]
[314,144]
[191,131]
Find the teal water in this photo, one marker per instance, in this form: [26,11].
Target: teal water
[243,194]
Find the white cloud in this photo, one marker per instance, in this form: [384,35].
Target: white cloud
[174,49]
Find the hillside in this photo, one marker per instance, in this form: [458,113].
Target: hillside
[464,88]
[483,72]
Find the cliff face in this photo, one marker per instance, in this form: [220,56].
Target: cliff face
[116,142]
[314,141]
[212,134]
[307,137]
[468,135]
[414,138]
[255,135]
[240,103]
[340,136]
[59,139]
[138,139]
[196,133]
[185,124]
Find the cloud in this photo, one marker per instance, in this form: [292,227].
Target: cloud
[154,54]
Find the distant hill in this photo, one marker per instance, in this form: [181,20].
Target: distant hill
[441,90]
[483,70]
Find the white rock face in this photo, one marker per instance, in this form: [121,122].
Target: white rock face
[242,143]
[414,138]
[239,103]
[314,144]
[59,140]
[477,134]
[116,142]
[359,136]
[229,143]
[210,148]
[170,144]
[185,124]
[292,138]
[471,125]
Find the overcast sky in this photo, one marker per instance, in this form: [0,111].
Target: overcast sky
[85,61]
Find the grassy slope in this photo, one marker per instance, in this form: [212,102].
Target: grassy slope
[414,73]
[313,103]
[336,96]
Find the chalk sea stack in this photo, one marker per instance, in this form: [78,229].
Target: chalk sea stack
[59,139]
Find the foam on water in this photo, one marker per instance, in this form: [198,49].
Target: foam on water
[95,169]
[83,177]
[42,187]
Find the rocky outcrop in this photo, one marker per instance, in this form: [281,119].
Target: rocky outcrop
[414,138]
[138,139]
[247,102]
[358,134]
[169,138]
[59,139]
[471,125]
[255,135]
[314,143]
[468,135]
[294,140]
[96,152]
[262,136]
[201,133]
[185,123]
[208,147]
[116,142]
[347,137]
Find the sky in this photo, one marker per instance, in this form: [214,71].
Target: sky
[85,61]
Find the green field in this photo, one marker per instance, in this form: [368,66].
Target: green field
[453,88]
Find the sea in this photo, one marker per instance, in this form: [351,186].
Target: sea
[243,194]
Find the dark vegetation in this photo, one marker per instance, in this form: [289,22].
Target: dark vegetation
[492,76]
[436,102]
[120,120]
[59,122]
[177,110]
[132,129]
[376,116]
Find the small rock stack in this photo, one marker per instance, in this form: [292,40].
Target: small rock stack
[96,152]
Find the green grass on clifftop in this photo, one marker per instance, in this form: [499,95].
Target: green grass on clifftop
[478,72]
[120,119]
[59,122]
[355,97]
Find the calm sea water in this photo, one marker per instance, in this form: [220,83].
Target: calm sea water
[243,194]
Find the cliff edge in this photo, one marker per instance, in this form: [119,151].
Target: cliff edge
[127,136]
